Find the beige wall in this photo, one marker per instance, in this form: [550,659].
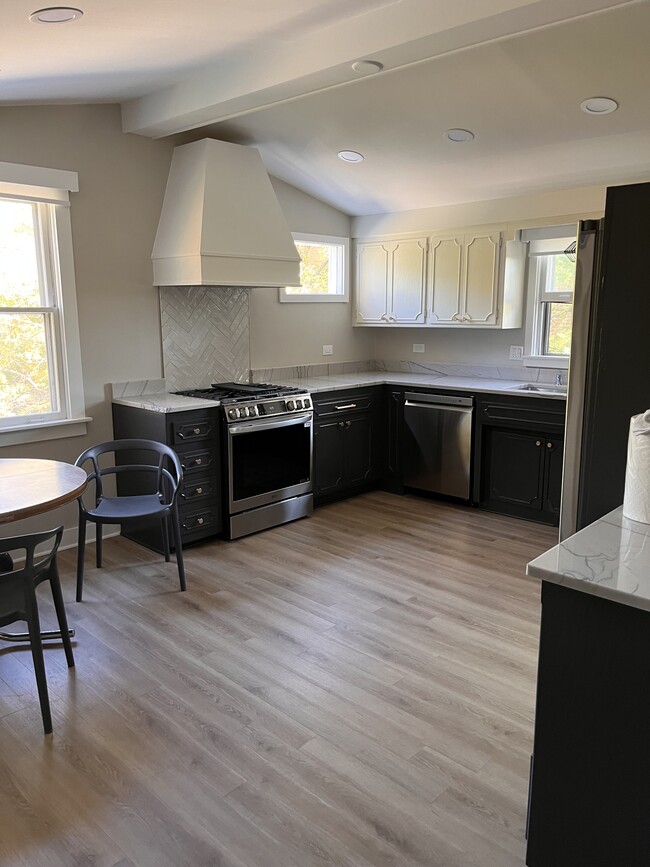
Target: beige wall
[114,218]
[283,335]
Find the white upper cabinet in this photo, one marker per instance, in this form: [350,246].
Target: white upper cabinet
[462,280]
[391,282]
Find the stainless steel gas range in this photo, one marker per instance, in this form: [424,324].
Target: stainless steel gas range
[267,453]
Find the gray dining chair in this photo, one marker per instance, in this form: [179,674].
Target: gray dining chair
[18,601]
[154,459]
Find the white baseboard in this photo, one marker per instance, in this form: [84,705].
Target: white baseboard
[70,535]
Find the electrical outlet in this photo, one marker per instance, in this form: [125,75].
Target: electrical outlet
[516,353]
[328,349]
[418,347]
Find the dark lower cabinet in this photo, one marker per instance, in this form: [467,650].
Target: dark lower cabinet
[347,443]
[589,800]
[393,469]
[518,457]
[194,436]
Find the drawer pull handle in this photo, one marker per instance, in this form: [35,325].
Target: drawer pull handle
[346,406]
[197,430]
[198,491]
[538,443]
[549,445]
[200,520]
[198,462]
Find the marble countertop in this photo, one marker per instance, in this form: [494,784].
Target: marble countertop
[162,401]
[609,558]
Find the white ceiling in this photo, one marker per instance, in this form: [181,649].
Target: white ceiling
[278,76]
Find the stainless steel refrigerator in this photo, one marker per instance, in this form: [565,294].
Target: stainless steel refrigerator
[609,368]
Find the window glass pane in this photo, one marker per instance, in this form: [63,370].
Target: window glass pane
[558,330]
[24,374]
[560,274]
[318,271]
[19,284]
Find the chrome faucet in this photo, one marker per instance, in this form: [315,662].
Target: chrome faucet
[558,379]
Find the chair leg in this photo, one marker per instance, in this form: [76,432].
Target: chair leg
[59,607]
[34,626]
[179,548]
[81,550]
[98,544]
[165,536]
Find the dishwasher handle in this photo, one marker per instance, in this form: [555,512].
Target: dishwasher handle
[447,401]
[438,406]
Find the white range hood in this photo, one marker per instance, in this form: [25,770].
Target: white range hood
[221,223]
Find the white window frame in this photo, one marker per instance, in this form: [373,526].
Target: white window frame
[48,191]
[543,242]
[340,275]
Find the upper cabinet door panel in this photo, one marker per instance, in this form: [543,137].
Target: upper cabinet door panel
[445,278]
[481,279]
[373,262]
[408,281]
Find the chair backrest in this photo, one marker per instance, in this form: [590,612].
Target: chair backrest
[167,466]
[14,584]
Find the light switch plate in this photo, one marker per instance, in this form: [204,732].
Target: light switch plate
[328,349]
[418,347]
[516,353]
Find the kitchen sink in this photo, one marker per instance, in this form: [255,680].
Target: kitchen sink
[543,388]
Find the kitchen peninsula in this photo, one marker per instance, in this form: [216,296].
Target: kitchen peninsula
[590,773]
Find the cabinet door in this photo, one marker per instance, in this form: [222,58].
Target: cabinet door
[445,276]
[373,263]
[328,466]
[357,450]
[408,281]
[554,449]
[481,280]
[515,468]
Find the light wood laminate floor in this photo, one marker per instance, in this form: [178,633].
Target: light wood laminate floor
[353,689]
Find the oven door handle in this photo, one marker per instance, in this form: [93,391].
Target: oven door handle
[268,425]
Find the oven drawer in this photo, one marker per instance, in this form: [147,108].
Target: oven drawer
[199,429]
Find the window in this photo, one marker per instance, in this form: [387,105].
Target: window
[323,269]
[40,364]
[551,279]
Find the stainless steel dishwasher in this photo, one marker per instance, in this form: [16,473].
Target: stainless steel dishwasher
[438,443]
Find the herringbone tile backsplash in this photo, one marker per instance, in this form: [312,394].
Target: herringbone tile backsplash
[205,333]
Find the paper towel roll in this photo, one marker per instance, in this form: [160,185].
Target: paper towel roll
[636,502]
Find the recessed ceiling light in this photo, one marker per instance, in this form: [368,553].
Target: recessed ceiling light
[55,15]
[351,156]
[458,135]
[599,105]
[365,67]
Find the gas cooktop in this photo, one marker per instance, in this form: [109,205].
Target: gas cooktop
[255,399]
[239,391]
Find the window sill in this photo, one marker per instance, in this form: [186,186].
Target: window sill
[559,362]
[319,299]
[51,430]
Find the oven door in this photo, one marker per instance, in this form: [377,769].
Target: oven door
[268,461]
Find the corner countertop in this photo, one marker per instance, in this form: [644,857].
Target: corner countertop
[162,401]
[609,558]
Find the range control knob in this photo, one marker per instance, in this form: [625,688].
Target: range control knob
[233,413]
[291,404]
[306,403]
[298,404]
[254,410]
[244,412]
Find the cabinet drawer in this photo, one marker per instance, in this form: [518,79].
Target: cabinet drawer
[193,519]
[197,489]
[344,404]
[539,417]
[190,431]
[198,460]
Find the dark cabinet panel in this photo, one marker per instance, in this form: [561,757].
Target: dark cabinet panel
[348,431]
[514,468]
[195,439]
[393,471]
[519,455]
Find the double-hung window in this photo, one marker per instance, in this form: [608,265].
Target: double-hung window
[41,390]
[551,279]
[324,269]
